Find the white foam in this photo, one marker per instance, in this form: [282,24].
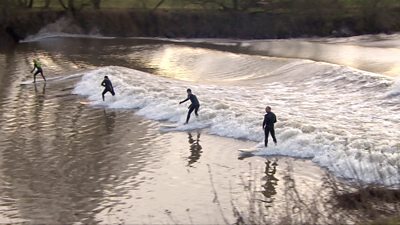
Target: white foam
[330,118]
[64,27]
[395,91]
[41,36]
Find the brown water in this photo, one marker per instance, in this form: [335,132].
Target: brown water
[62,162]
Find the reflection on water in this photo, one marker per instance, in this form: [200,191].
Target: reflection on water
[109,120]
[63,161]
[270,182]
[195,148]
[43,90]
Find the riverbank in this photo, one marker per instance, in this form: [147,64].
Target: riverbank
[199,23]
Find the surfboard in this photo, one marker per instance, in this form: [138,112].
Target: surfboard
[169,126]
[247,152]
[31,82]
[39,79]
[84,103]
[249,149]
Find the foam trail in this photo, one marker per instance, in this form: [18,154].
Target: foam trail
[327,118]
[64,27]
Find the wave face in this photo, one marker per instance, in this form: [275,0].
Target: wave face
[343,119]
[374,53]
[212,66]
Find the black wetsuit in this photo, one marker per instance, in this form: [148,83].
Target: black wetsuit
[268,125]
[194,106]
[108,87]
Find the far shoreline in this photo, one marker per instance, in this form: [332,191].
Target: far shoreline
[165,23]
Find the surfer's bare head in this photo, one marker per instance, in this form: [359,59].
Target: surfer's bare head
[268,109]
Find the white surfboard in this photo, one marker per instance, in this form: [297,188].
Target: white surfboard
[31,82]
[248,152]
[170,126]
[39,79]
[84,102]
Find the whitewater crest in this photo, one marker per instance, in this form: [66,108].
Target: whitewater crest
[63,27]
[330,124]
[395,91]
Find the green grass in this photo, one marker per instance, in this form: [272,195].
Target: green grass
[288,6]
[387,221]
[110,4]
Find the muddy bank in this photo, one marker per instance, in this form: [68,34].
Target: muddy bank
[199,24]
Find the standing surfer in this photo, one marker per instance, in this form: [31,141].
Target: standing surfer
[194,106]
[268,125]
[108,87]
[38,66]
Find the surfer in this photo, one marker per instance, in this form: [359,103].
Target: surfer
[194,106]
[108,87]
[37,65]
[268,125]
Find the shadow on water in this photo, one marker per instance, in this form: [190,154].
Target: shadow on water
[195,148]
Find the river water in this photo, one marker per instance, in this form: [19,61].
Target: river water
[61,161]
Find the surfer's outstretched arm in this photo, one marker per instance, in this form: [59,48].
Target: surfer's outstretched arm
[184,100]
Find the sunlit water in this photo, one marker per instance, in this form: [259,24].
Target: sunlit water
[113,162]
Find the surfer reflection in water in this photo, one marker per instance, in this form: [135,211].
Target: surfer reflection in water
[43,90]
[109,121]
[269,187]
[195,149]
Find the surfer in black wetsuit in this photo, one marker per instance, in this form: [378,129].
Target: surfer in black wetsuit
[194,106]
[38,67]
[268,125]
[108,87]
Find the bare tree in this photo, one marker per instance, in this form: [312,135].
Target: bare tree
[25,3]
[71,6]
[47,3]
[96,4]
[63,4]
[159,4]
[233,5]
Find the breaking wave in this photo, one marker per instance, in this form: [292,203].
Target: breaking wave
[340,118]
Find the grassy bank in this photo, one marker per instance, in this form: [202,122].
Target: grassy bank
[190,19]
[206,24]
[335,202]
